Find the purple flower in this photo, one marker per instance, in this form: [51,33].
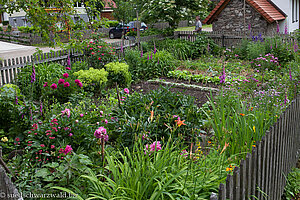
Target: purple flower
[17,100]
[290,73]
[158,61]
[285,29]
[148,57]
[142,53]
[277,28]
[68,68]
[33,74]
[249,27]
[46,84]
[296,48]
[223,76]
[69,61]
[53,86]
[154,49]
[68,149]
[61,81]
[151,56]
[126,90]
[66,84]
[101,133]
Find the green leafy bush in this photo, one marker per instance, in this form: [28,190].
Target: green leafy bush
[155,114]
[112,23]
[255,50]
[118,73]
[93,78]
[15,113]
[100,53]
[292,188]
[149,65]
[27,29]
[43,73]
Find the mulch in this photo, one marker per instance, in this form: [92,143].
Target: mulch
[201,97]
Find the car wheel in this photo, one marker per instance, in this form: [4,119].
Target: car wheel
[111,36]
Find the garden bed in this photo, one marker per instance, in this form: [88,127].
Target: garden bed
[201,96]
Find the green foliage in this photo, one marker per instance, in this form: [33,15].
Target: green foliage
[292,188]
[111,23]
[165,174]
[15,111]
[43,73]
[9,28]
[27,29]
[100,53]
[172,11]
[95,78]
[134,116]
[142,66]
[255,50]
[118,73]
[1,29]
[185,75]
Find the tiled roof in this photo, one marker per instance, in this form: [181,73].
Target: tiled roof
[265,7]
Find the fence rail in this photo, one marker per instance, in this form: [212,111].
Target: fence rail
[229,40]
[262,173]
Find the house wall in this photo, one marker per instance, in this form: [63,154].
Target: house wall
[231,19]
[286,7]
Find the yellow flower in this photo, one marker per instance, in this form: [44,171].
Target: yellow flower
[4,139]
[228,169]
[254,129]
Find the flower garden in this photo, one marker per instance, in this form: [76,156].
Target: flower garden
[168,120]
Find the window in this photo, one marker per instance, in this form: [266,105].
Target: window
[295,11]
[24,22]
[15,22]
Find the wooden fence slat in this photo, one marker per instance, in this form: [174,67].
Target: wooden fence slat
[236,184]
[229,187]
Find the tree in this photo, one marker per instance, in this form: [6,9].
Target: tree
[93,8]
[172,11]
[124,11]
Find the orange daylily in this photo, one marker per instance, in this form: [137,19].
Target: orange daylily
[152,115]
[179,122]
[224,148]
[242,114]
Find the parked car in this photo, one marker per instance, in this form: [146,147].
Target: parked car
[132,25]
[117,31]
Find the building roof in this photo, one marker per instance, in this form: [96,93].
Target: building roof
[109,4]
[265,7]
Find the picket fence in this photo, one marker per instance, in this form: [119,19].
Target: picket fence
[232,39]
[262,174]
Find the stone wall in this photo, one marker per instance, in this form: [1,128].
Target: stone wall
[231,19]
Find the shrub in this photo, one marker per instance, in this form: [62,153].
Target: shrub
[43,73]
[1,29]
[112,23]
[266,62]
[255,50]
[94,79]
[100,53]
[15,112]
[149,65]
[118,73]
[9,28]
[155,114]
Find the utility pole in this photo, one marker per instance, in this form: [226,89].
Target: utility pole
[138,27]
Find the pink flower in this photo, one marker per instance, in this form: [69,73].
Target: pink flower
[68,149]
[126,90]
[105,121]
[81,115]
[156,146]
[184,153]
[46,84]
[93,53]
[53,86]
[77,81]
[42,145]
[17,139]
[80,85]
[99,58]
[66,84]
[68,68]
[61,81]
[76,121]
[66,75]
[67,112]
[101,112]
[71,134]
[101,133]
[52,146]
